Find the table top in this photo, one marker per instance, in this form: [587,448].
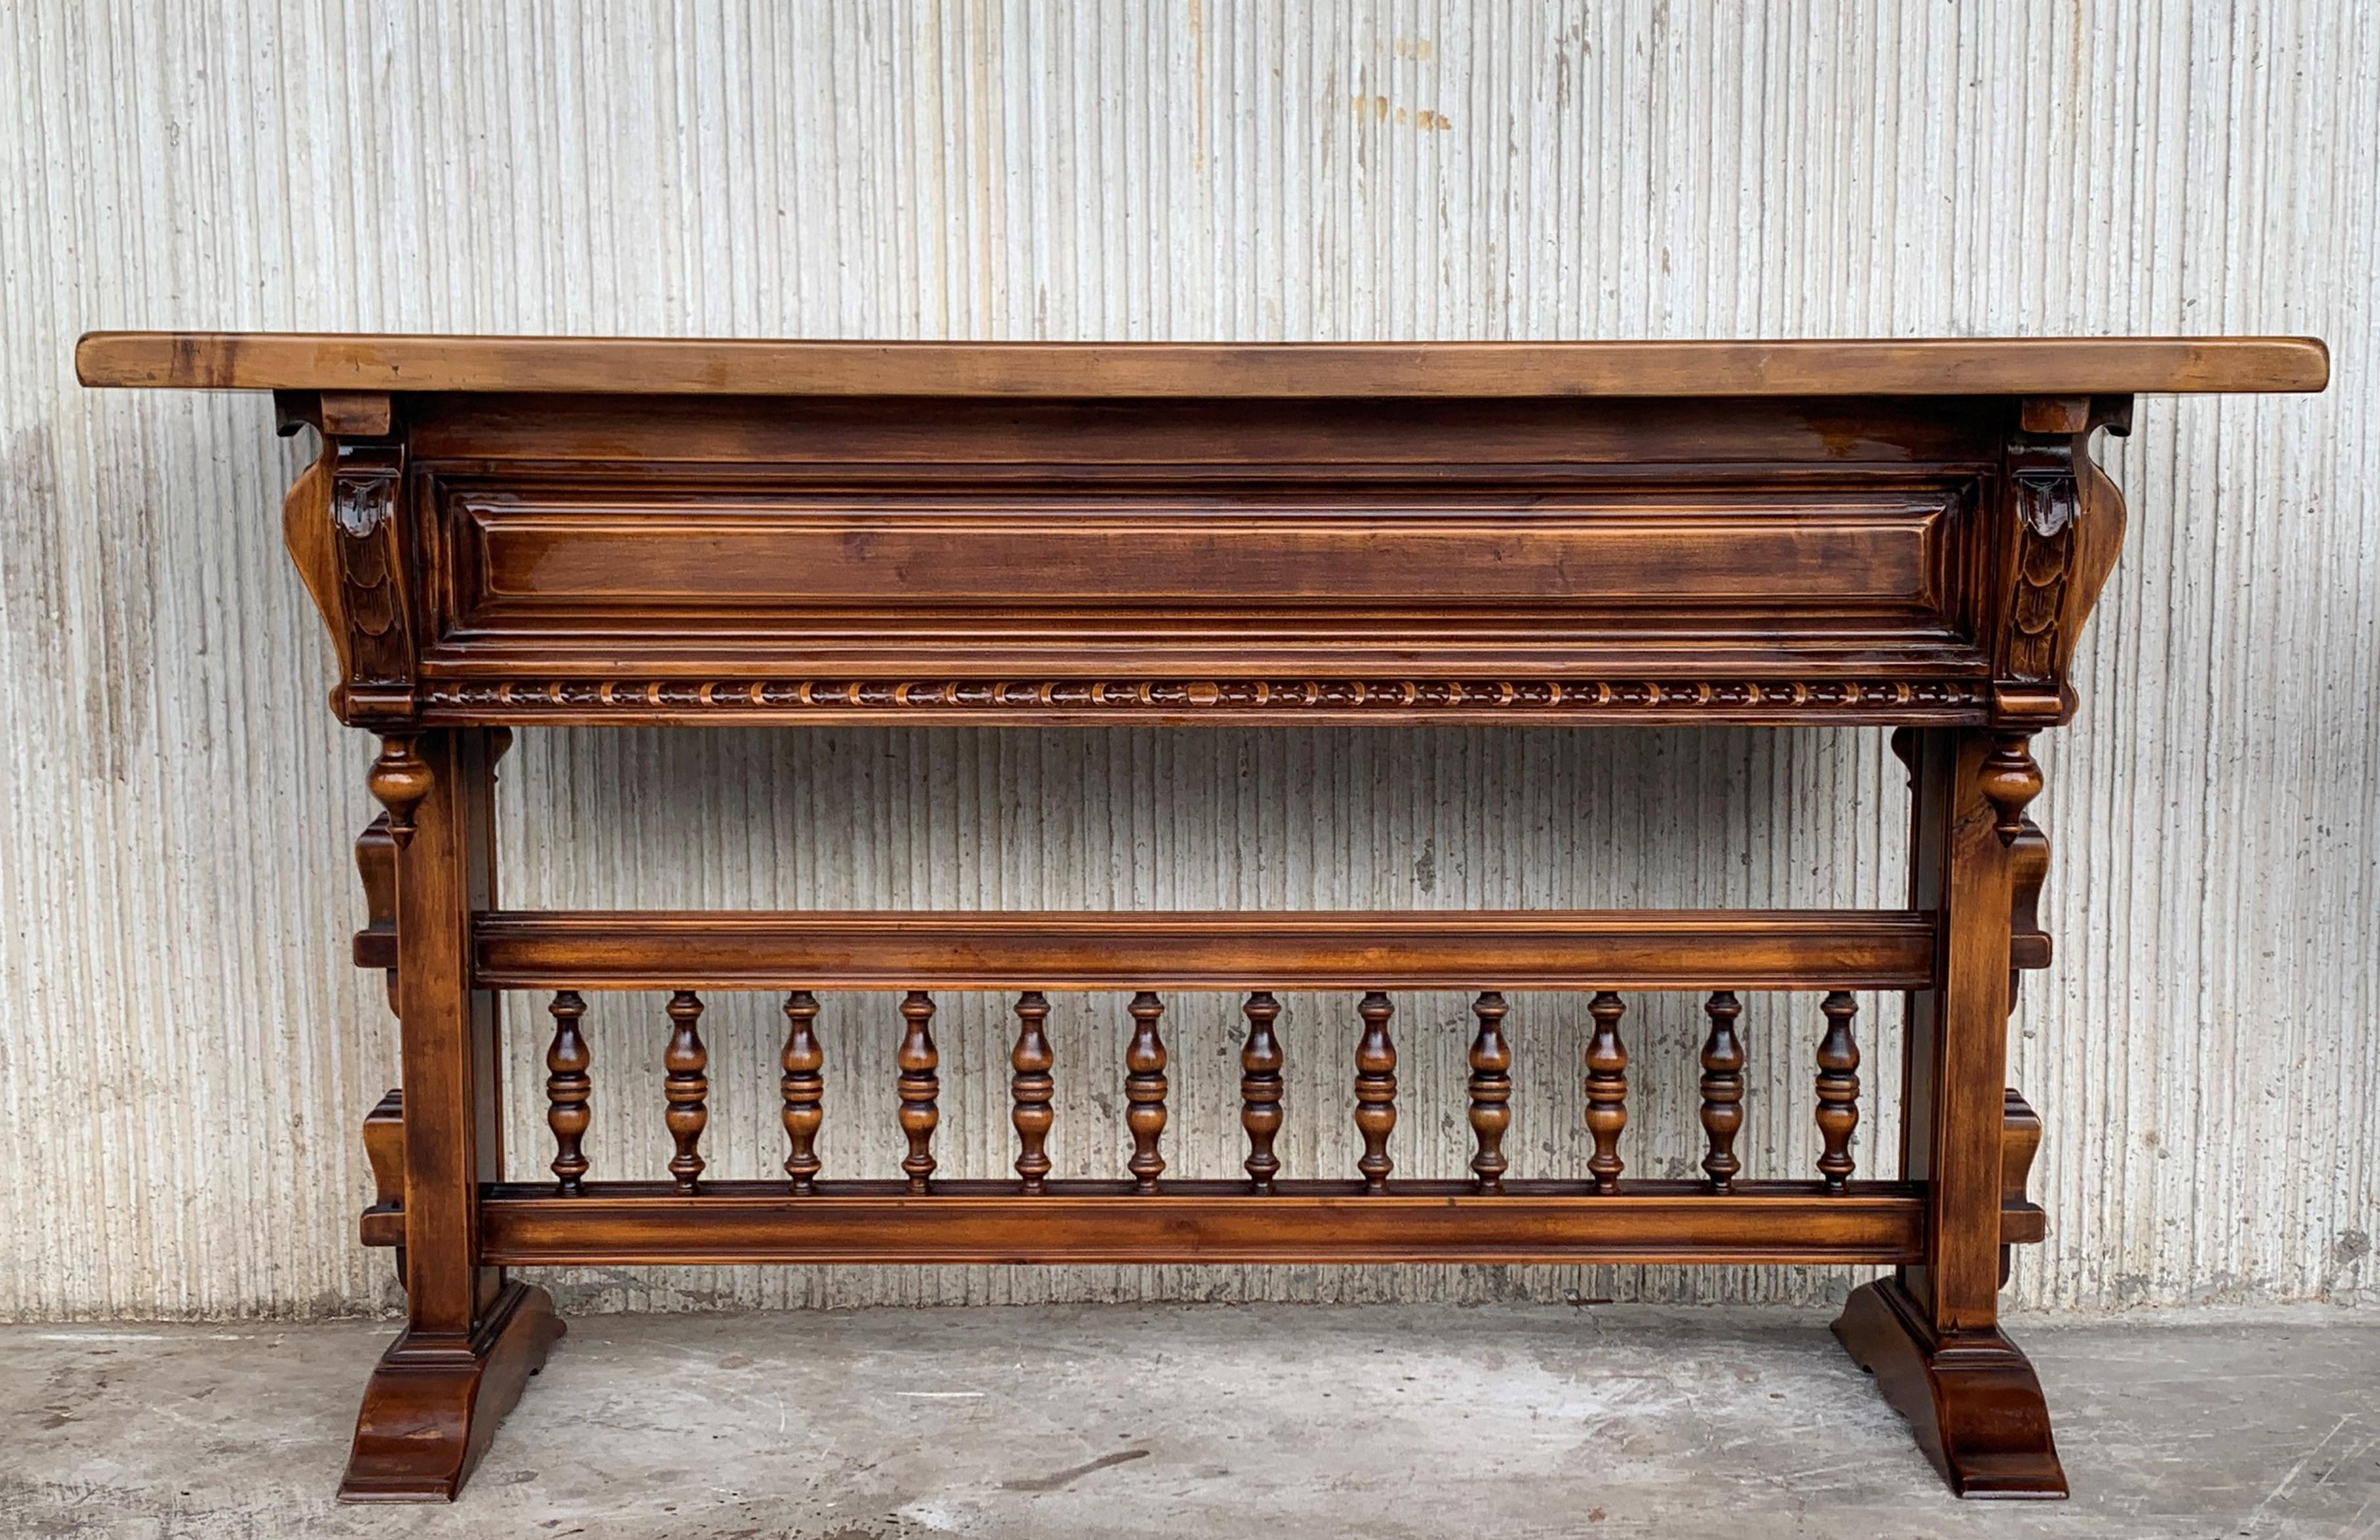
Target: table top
[619,366]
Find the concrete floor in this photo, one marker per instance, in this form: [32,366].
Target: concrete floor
[1201,1421]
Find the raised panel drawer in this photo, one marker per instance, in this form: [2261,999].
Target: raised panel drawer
[575,560]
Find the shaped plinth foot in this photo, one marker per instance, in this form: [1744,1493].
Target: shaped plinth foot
[1972,1399]
[430,1408]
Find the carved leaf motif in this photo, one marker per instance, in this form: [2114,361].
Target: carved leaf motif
[2048,504]
[2034,657]
[372,597]
[2046,557]
[363,504]
[2041,582]
[2042,561]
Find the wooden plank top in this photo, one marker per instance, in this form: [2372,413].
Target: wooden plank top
[617,366]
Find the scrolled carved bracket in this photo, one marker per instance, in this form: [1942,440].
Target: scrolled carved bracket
[364,480]
[375,944]
[2046,505]
[2066,524]
[2023,1221]
[2010,780]
[342,522]
[2028,869]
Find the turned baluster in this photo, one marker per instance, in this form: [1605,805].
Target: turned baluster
[803,1089]
[1031,1090]
[1607,1090]
[1144,1088]
[1839,1061]
[684,1086]
[1376,1090]
[1722,1089]
[918,1086]
[566,1090]
[1260,1062]
[1491,1093]
[399,779]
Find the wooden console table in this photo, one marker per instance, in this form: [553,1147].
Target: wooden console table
[504,531]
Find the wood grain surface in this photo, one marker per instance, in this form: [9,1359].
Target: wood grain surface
[2064,366]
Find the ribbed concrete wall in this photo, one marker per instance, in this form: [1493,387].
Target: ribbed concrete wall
[184,1057]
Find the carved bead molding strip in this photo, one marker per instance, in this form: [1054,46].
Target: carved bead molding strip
[1937,699]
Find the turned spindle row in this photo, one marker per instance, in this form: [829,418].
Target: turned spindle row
[686,1090]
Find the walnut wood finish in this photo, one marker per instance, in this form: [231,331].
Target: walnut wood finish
[375,945]
[1930,1333]
[1548,556]
[517,531]
[425,1423]
[1260,1085]
[383,1222]
[1144,1090]
[686,1088]
[471,1338]
[1376,1091]
[802,1089]
[1491,1093]
[627,1223]
[1549,949]
[1607,1090]
[569,1088]
[1970,1396]
[917,1088]
[1838,1087]
[398,782]
[312,361]
[1722,1088]
[2022,1221]
[1031,1090]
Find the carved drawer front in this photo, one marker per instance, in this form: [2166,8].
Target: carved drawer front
[582,561]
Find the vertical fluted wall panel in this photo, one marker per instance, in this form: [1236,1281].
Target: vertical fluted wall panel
[184,1059]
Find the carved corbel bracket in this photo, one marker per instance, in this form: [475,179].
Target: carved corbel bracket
[2023,1221]
[2028,869]
[343,525]
[375,944]
[383,1223]
[2010,780]
[2066,524]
